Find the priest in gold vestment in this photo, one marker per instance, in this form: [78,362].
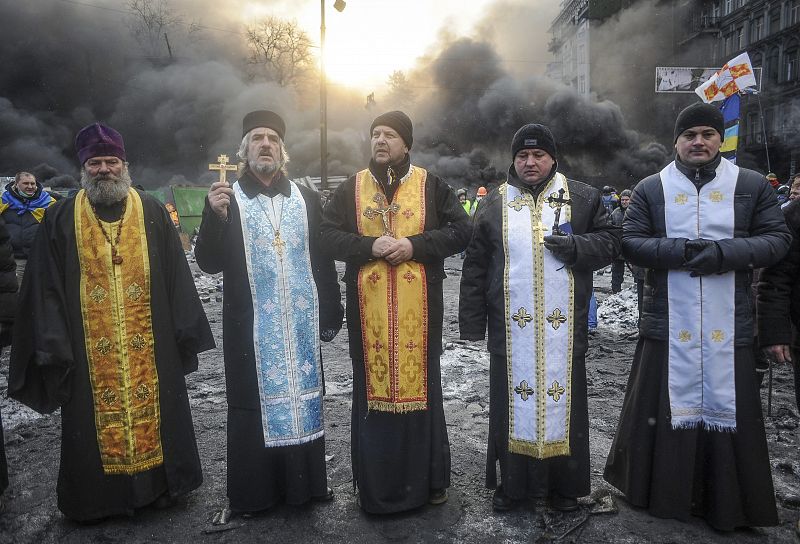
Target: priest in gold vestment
[109,324]
[393,224]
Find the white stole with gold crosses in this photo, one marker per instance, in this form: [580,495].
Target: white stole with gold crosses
[539,304]
[702,388]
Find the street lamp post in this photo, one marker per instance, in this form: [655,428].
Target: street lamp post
[323,95]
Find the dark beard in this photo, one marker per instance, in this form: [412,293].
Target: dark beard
[107,189]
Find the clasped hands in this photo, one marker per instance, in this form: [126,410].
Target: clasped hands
[394,251]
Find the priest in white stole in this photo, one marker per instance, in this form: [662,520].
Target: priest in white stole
[394,223]
[528,272]
[281,296]
[691,436]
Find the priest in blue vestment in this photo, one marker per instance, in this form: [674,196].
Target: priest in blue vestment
[281,296]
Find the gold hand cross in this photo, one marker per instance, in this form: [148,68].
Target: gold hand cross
[223,167]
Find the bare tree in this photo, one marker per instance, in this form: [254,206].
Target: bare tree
[152,21]
[401,93]
[280,51]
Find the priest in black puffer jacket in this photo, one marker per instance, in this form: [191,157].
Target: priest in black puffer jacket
[691,436]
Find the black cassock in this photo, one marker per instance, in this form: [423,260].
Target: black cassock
[398,458]
[482,300]
[8,306]
[49,367]
[723,477]
[259,476]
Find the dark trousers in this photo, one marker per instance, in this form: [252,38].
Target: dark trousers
[617,275]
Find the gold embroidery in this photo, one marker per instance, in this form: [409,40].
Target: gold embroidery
[522,317]
[555,391]
[393,300]
[103,346]
[520,201]
[556,319]
[108,396]
[138,342]
[681,199]
[717,335]
[134,291]
[98,294]
[684,335]
[127,417]
[142,392]
[523,390]
[715,196]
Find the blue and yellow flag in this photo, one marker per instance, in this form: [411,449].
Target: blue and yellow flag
[730,114]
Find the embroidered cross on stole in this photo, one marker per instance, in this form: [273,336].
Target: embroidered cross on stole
[118,331]
[539,306]
[393,301]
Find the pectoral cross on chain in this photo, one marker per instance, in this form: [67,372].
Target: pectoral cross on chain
[223,167]
[278,244]
[558,201]
[384,212]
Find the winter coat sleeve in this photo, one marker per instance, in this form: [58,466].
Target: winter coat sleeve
[339,237]
[472,304]
[324,271]
[641,245]
[768,238]
[600,243]
[8,286]
[776,287]
[210,248]
[453,227]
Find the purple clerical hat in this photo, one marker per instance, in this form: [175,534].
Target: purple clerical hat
[99,140]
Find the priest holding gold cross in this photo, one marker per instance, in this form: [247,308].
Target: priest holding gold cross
[528,273]
[393,224]
[281,298]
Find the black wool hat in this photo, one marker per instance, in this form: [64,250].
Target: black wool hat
[263,119]
[700,114]
[534,136]
[398,121]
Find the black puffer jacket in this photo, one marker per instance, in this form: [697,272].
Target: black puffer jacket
[779,290]
[760,239]
[482,295]
[8,286]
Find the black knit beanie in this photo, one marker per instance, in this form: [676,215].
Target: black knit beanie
[534,136]
[398,121]
[700,114]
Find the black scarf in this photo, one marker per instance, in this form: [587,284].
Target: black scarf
[389,176]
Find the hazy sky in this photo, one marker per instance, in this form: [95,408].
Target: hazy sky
[372,38]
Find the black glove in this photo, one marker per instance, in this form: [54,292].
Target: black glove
[702,257]
[563,248]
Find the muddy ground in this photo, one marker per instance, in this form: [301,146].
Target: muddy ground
[33,444]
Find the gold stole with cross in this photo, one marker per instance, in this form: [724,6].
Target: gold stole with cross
[393,300]
[118,330]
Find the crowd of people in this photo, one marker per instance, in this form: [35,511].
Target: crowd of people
[109,324]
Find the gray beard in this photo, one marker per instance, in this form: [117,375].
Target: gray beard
[263,169]
[106,191]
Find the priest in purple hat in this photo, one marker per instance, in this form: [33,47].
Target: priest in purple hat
[113,323]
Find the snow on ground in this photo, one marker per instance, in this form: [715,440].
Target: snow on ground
[619,312]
